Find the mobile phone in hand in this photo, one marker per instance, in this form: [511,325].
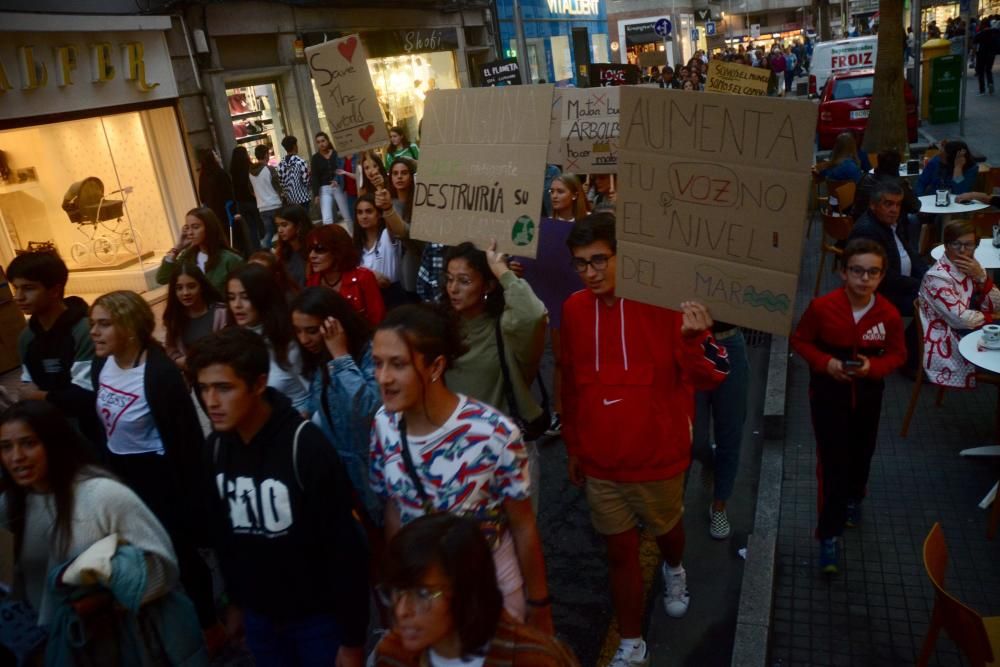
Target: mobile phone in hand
[852,365]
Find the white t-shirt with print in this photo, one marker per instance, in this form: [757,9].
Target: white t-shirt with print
[384,257]
[124,411]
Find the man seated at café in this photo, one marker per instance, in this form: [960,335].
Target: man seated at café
[905,268]
[887,171]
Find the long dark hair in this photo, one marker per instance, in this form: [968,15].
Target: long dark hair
[477,260]
[69,458]
[239,167]
[951,149]
[215,237]
[411,166]
[207,162]
[269,301]
[323,303]
[298,216]
[175,315]
[366,183]
[359,233]
[404,141]
[278,269]
[455,545]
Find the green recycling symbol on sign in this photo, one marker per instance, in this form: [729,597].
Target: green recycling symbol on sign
[523,231]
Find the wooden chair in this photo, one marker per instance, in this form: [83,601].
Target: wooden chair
[931,152]
[992,180]
[845,193]
[819,196]
[836,228]
[981,378]
[873,160]
[976,637]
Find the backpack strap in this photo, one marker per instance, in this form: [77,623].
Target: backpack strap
[295,454]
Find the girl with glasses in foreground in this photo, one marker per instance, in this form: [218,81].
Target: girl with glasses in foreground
[440,589]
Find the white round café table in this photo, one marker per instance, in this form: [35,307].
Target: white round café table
[988,360]
[927,205]
[902,172]
[987,256]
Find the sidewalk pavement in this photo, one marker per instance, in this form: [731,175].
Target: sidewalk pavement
[982,131]
[877,610]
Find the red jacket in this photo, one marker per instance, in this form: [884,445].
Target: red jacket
[827,330]
[628,381]
[360,287]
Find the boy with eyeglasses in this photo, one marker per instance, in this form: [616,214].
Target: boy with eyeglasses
[629,375]
[851,338]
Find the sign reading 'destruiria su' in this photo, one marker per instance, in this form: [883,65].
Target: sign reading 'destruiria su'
[340,69]
[712,194]
[482,167]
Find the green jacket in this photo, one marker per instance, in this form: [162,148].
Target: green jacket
[477,372]
[216,275]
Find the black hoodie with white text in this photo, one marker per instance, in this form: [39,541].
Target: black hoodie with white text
[288,544]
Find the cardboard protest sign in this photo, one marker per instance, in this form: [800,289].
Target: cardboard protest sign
[587,131]
[737,79]
[340,70]
[482,167]
[712,194]
[557,149]
[612,74]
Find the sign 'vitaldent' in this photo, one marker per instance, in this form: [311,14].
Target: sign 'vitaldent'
[49,73]
[482,167]
[340,70]
[712,196]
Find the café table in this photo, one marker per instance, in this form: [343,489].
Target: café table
[903,173]
[927,205]
[987,256]
[987,360]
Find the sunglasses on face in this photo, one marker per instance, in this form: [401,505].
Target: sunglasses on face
[318,248]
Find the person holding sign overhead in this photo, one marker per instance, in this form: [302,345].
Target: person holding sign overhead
[629,374]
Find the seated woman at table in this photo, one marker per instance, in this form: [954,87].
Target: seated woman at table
[887,170]
[982,197]
[844,162]
[956,296]
[951,169]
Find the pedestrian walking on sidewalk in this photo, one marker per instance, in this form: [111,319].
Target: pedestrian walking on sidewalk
[851,338]
[629,375]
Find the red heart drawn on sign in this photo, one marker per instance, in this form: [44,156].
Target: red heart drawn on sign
[366,132]
[347,47]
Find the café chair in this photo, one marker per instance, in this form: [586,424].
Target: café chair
[992,180]
[978,638]
[873,160]
[984,221]
[835,228]
[819,196]
[981,378]
[844,191]
[931,153]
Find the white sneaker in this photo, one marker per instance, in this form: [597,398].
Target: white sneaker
[637,657]
[675,593]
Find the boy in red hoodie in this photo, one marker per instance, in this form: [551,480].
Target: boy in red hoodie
[629,375]
[851,338]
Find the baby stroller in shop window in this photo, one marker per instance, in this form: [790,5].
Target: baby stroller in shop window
[100,220]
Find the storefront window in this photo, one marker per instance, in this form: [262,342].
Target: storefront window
[94,191]
[562,60]
[402,83]
[599,48]
[255,112]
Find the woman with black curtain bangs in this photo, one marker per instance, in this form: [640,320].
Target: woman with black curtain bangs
[194,309]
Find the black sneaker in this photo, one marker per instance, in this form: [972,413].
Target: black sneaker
[555,426]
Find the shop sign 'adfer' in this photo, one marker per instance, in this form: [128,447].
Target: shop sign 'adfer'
[587,131]
[712,194]
[340,70]
[482,167]
[737,79]
[49,73]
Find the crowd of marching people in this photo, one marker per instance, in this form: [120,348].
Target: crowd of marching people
[337,430]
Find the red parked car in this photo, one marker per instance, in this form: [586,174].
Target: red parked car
[846,102]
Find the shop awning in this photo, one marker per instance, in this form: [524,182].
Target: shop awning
[25,22]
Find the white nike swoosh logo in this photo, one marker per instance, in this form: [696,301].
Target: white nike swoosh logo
[617,400]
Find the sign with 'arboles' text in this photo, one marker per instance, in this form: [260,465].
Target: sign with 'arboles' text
[340,70]
[712,193]
[482,167]
[587,131]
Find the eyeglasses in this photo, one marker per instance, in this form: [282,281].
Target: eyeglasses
[599,262]
[421,597]
[317,248]
[963,245]
[861,272]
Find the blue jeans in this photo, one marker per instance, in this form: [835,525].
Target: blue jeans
[312,641]
[328,195]
[267,217]
[727,407]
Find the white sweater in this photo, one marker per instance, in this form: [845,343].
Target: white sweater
[101,506]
